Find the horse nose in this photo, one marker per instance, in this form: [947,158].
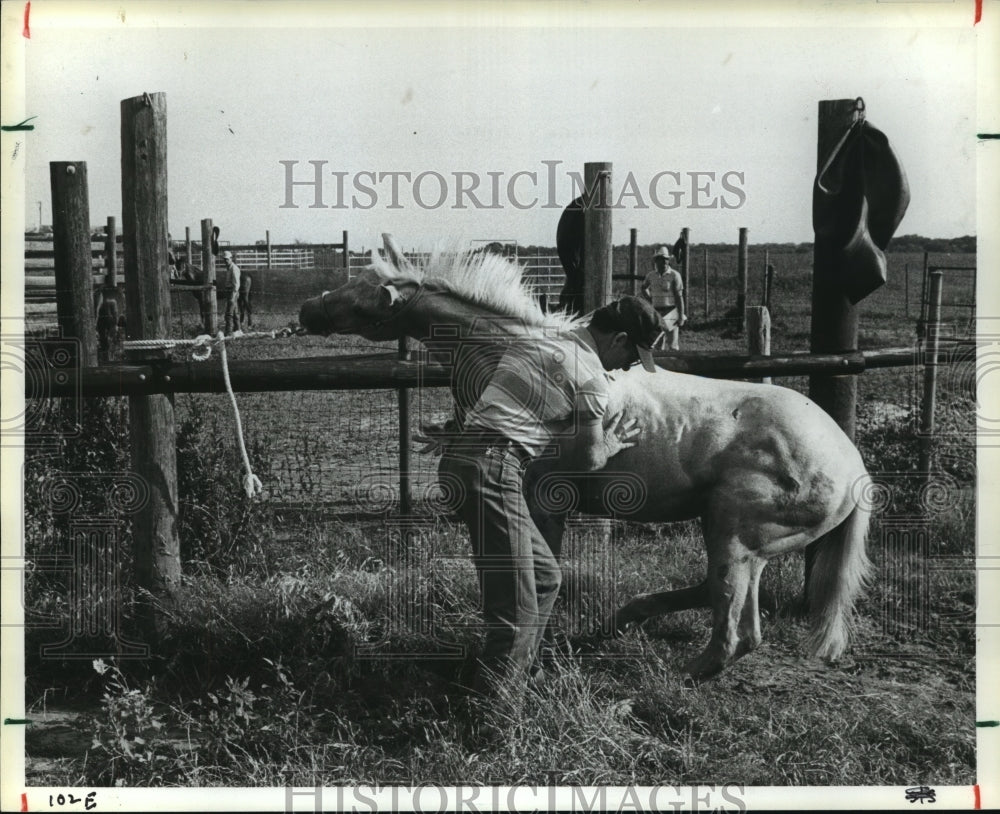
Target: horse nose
[312,316]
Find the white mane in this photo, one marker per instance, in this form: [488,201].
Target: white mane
[483,278]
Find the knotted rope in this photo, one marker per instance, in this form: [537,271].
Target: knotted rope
[202,350]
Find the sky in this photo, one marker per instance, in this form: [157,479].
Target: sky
[718,119]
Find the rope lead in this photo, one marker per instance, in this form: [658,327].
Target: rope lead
[251,483]
[201,349]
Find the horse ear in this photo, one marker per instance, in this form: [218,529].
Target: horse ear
[395,254]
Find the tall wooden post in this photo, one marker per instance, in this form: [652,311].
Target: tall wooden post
[405,433]
[768,283]
[111,254]
[209,311]
[834,320]
[597,236]
[704,260]
[759,333]
[633,260]
[741,280]
[924,280]
[906,288]
[187,246]
[686,267]
[347,256]
[928,405]
[763,277]
[73,260]
[151,418]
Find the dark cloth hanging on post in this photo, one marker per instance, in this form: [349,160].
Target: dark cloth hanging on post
[569,246]
[859,198]
[680,250]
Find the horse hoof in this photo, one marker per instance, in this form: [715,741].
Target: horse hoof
[699,670]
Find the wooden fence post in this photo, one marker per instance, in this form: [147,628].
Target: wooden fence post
[924,278]
[906,288]
[151,418]
[834,324]
[405,433]
[596,235]
[72,258]
[633,261]
[768,282]
[741,280]
[686,268]
[106,302]
[704,260]
[763,277]
[759,333]
[209,312]
[347,256]
[929,402]
[111,254]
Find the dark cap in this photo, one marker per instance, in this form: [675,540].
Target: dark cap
[635,317]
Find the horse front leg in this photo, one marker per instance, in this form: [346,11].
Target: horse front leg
[646,606]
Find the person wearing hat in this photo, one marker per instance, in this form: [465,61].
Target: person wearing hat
[547,396]
[664,288]
[227,292]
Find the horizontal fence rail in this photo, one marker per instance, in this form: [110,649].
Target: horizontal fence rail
[382,371]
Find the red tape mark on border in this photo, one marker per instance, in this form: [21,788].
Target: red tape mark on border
[978,804]
[27,33]
[24,801]
[979,11]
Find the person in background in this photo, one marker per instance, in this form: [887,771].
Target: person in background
[244,301]
[171,259]
[227,292]
[664,288]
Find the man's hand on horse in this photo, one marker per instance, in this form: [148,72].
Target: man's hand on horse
[622,433]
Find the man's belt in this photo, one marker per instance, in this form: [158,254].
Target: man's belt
[475,439]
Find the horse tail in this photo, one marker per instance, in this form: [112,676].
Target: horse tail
[840,571]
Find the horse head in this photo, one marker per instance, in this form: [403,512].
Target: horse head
[367,305]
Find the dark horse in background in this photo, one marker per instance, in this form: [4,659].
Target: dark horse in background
[569,247]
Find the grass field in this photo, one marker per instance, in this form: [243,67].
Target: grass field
[310,647]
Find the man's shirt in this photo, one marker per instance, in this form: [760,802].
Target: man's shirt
[541,390]
[664,289]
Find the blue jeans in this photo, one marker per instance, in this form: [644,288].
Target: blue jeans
[519,576]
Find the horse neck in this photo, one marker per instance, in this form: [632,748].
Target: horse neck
[439,313]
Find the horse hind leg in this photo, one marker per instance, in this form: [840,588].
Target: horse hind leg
[749,628]
[730,573]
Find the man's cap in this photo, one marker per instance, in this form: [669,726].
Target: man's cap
[663,251]
[639,320]
[227,255]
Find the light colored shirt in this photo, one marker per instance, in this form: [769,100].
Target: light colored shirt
[664,289]
[227,278]
[540,389]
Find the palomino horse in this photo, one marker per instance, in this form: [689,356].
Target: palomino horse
[765,469]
